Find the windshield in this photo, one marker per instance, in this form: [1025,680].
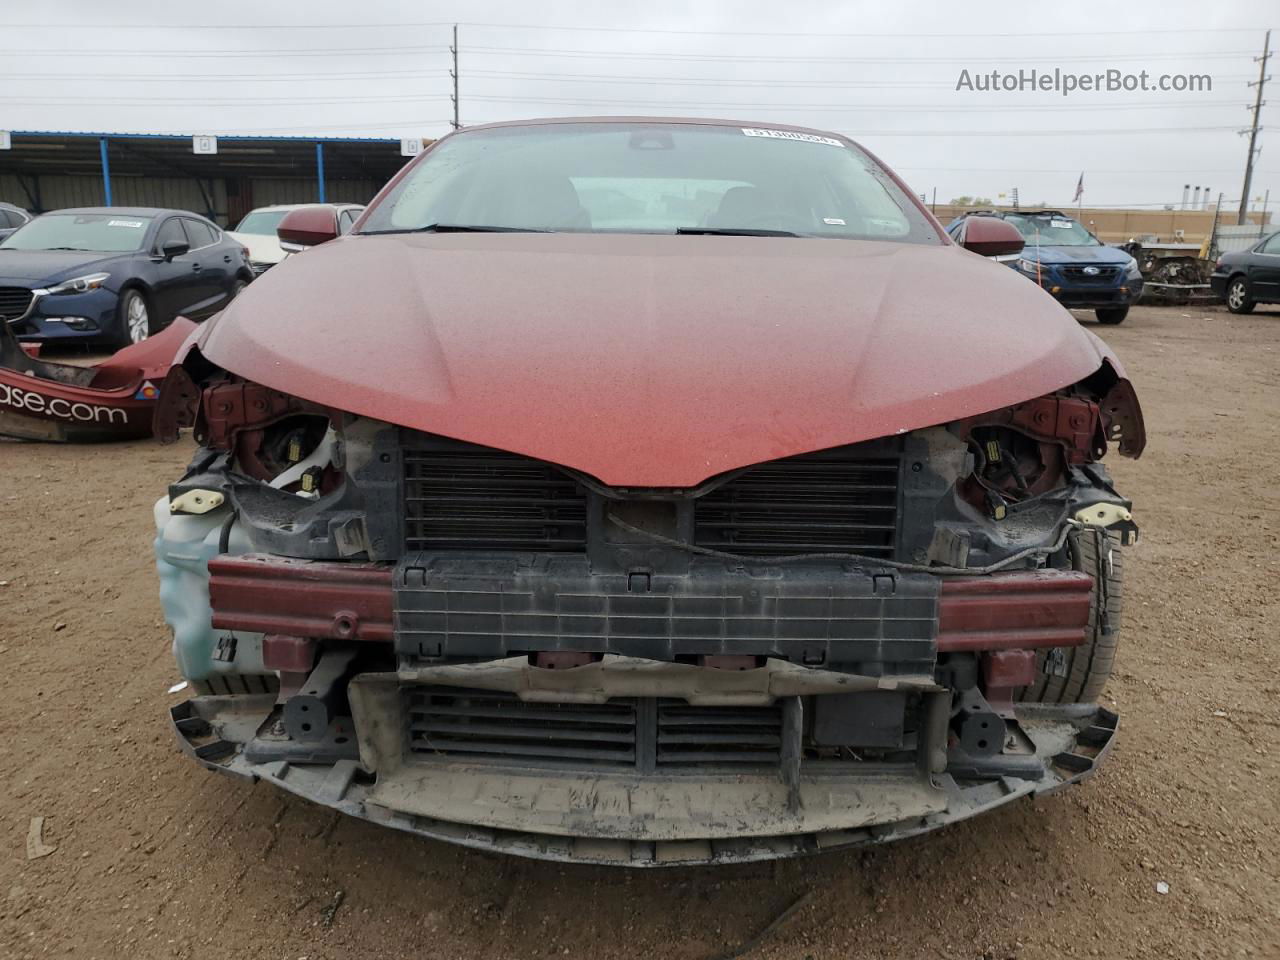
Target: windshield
[1052,231]
[651,178]
[261,222]
[100,232]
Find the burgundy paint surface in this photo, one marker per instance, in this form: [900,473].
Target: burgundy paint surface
[650,361]
[288,654]
[1005,669]
[126,383]
[301,598]
[310,225]
[1042,608]
[991,237]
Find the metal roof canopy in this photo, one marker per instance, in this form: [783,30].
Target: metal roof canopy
[151,154]
[37,153]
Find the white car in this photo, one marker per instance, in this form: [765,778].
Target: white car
[257,230]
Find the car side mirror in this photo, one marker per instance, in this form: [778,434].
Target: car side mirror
[992,237]
[307,227]
[174,248]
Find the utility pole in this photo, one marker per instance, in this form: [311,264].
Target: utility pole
[454,73]
[1253,130]
[1212,243]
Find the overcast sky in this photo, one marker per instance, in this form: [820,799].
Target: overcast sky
[883,72]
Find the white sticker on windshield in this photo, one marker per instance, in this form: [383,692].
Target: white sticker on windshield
[790,135]
[124,223]
[1060,224]
[833,221]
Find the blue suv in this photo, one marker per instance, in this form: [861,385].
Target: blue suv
[1068,261]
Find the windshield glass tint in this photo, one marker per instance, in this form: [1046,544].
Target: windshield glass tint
[105,232]
[1052,231]
[651,178]
[262,222]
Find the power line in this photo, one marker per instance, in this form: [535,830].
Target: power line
[186,101]
[717,81]
[62,27]
[232,132]
[234,54]
[1188,171]
[646,79]
[255,100]
[1035,133]
[631,55]
[223,77]
[855,108]
[763,58]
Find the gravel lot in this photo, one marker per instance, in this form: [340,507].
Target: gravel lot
[157,858]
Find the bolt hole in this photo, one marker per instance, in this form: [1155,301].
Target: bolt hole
[306,727]
[304,708]
[982,744]
[339,739]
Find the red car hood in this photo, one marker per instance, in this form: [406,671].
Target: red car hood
[650,360]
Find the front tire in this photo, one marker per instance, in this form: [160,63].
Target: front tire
[136,322]
[1078,674]
[1238,299]
[1111,315]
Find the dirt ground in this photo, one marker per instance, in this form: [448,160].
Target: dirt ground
[157,858]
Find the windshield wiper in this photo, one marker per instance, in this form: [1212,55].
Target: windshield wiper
[76,249]
[454,228]
[735,232]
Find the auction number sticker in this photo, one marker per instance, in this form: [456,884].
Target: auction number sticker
[790,135]
[135,224]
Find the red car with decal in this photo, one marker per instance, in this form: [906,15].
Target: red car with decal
[644,492]
[114,400]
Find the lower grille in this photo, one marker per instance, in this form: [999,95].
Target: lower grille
[496,725]
[718,735]
[474,498]
[1090,297]
[838,501]
[14,302]
[640,734]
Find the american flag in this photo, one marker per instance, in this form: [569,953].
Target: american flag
[1079,189]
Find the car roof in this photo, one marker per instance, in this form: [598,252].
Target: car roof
[1017,213]
[299,206]
[132,211]
[697,121]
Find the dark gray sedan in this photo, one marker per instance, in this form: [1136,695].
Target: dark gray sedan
[1247,278]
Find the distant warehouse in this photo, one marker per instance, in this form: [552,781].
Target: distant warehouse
[221,177]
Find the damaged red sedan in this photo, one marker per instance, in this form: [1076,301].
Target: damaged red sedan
[647,492]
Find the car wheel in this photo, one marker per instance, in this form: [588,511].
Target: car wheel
[1111,315]
[1078,674]
[135,318]
[236,288]
[1238,299]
